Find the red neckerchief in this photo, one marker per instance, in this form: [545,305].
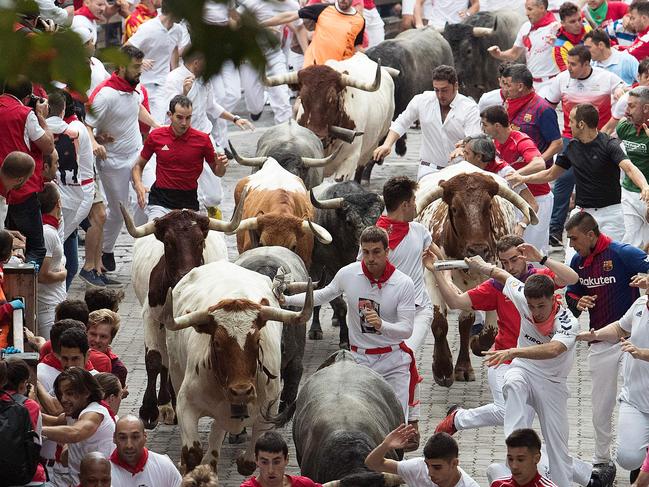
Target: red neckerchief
[514,105]
[110,411]
[51,360]
[397,230]
[495,166]
[575,39]
[603,241]
[545,327]
[139,467]
[116,82]
[50,220]
[547,19]
[85,12]
[387,273]
[71,118]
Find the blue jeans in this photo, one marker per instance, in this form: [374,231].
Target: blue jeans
[71,251]
[562,191]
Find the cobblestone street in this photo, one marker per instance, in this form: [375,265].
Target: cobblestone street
[478,448]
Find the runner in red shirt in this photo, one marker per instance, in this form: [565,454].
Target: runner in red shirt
[519,151]
[523,456]
[271,455]
[180,152]
[639,21]
[516,257]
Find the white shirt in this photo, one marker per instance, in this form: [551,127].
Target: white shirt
[565,328]
[49,10]
[265,9]
[490,99]
[415,473]
[83,22]
[116,112]
[51,294]
[635,386]
[439,138]
[157,42]
[540,60]
[493,5]
[215,13]
[619,109]
[407,258]
[98,74]
[201,95]
[443,11]
[33,129]
[101,441]
[394,303]
[159,471]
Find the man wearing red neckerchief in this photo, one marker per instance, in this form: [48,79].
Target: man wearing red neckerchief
[535,40]
[572,32]
[132,464]
[380,313]
[87,16]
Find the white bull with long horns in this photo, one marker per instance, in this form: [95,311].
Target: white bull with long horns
[164,251]
[345,109]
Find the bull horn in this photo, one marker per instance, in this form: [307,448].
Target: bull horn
[391,71]
[322,161]
[320,233]
[245,225]
[364,85]
[515,199]
[190,319]
[482,31]
[331,204]
[231,226]
[298,287]
[389,480]
[247,161]
[429,198]
[290,78]
[136,232]
[271,313]
[346,135]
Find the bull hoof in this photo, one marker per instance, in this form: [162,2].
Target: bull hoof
[483,342]
[149,416]
[335,322]
[245,467]
[167,414]
[315,334]
[444,381]
[464,374]
[235,439]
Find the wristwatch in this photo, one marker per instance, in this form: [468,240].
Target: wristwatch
[236,118]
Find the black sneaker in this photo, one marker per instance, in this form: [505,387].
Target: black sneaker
[603,475]
[108,261]
[91,278]
[555,241]
[256,116]
[108,281]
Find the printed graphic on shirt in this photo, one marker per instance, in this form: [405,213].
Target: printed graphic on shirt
[364,304]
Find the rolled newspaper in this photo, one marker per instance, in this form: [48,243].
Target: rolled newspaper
[445,265]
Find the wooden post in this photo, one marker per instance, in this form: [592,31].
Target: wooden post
[20,281]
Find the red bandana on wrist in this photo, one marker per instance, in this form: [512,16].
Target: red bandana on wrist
[397,230]
[50,220]
[387,273]
[133,470]
[85,12]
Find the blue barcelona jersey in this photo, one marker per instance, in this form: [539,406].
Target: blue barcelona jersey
[608,277]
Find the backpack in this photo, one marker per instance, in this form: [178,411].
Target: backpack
[19,447]
[65,146]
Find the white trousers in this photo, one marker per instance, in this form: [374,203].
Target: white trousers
[45,319]
[394,367]
[549,400]
[278,96]
[407,7]
[632,436]
[423,320]
[116,182]
[604,364]
[373,26]
[157,102]
[155,211]
[636,228]
[538,234]
[77,202]
[610,221]
[226,87]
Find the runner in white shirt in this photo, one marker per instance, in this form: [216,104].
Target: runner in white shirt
[493,5]
[441,12]
[133,465]
[535,39]
[380,313]
[539,368]
[94,469]
[159,39]
[633,421]
[86,17]
[437,468]
[90,425]
[446,117]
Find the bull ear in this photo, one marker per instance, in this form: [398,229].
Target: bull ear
[493,187]
[207,328]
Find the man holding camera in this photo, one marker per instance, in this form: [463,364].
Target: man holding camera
[23,128]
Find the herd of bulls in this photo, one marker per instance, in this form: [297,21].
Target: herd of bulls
[214,331]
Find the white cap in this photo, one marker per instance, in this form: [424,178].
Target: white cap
[83,32]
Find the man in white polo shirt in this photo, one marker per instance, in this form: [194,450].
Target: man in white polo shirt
[133,464]
[535,40]
[159,40]
[446,117]
[380,313]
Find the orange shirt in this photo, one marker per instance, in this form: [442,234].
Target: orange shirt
[336,34]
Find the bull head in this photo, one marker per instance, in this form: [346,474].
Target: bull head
[214,223]
[346,135]
[389,480]
[306,161]
[330,204]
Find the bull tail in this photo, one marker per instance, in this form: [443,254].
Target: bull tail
[279,420]
[400,147]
